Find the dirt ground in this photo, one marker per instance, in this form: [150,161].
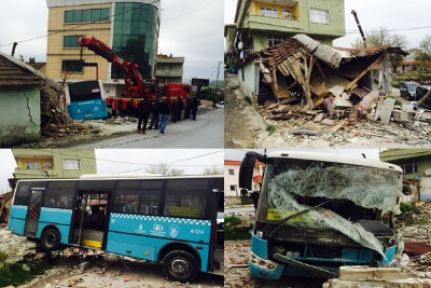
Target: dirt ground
[111,273]
[245,127]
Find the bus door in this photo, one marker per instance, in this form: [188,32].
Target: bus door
[33,212]
[90,219]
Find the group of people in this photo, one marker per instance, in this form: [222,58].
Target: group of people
[162,110]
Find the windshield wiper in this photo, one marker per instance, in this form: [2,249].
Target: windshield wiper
[282,221]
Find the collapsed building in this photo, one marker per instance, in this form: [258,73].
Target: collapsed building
[302,74]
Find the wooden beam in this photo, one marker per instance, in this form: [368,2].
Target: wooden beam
[362,74]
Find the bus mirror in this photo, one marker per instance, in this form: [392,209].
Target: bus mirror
[246,170]
[407,190]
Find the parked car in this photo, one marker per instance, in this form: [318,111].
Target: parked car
[408,90]
[421,91]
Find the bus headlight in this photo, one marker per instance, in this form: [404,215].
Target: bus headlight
[263,263]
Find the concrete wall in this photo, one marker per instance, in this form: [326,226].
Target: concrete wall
[57,156]
[231,180]
[15,122]
[248,82]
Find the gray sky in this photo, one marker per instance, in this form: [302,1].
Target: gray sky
[192,161]
[373,14]
[189,28]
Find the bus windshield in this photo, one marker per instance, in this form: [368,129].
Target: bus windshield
[327,196]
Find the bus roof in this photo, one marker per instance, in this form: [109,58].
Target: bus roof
[334,158]
[123,178]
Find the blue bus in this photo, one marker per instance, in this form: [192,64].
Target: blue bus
[167,220]
[317,212]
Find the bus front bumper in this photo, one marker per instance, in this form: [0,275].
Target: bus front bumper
[264,268]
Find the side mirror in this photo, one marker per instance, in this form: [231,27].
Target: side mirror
[407,190]
[246,171]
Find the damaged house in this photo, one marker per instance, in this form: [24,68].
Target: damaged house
[303,71]
[29,102]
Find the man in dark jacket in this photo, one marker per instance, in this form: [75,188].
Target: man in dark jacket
[164,112]
[144,111]
[187,108]
[175,107]
[194,106]
[155,114]
[180,108]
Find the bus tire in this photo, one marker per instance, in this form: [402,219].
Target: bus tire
[50,239]
[180,265]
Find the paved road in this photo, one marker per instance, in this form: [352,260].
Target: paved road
[206,132]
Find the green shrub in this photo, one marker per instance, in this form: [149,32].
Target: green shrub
[409,208]
[270,129]
[234,230]
[3,256]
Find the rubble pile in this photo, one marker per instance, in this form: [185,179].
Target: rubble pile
[236,264]
[333,89]
[15,248]
[119,120]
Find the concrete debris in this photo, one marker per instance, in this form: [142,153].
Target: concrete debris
[15,247]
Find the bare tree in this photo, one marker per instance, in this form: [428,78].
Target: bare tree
[424,50]
[163,169]
[213,170]
[384,38]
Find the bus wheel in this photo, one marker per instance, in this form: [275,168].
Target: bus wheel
[50,239]
[180,265]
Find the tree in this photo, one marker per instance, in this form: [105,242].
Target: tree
[214,170]
[163,169]
[423,53]
[384,38]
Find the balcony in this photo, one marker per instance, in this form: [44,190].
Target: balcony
[275,24]
[169,73]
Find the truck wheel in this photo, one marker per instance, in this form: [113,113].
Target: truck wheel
[180,265]
[50,239]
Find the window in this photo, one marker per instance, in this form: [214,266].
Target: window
[72,66]
[70,164]
[60,194]
[232,187]
[138,197]
[71,41]
[186,198]
[89,15]
[287,13]
[410,168]
[268,12]
[32,165]
[22,194]
[275,39]
[319,16]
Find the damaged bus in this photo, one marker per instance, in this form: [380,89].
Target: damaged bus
[317,212]
[167,220]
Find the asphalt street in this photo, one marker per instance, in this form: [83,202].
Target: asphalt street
[206,132]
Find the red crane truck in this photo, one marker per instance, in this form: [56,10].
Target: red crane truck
[135,87]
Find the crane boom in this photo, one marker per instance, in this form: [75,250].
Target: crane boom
[133,81]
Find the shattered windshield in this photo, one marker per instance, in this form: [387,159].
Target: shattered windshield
[291,186]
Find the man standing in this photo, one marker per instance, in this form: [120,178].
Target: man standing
[187,108]
[155,114]
[180,108]
[175,106]
[163,115]
[144,111]
[194,106]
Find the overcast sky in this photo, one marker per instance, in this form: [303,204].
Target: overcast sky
[133,161]
[373,14]
[189,28]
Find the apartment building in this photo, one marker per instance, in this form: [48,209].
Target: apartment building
[54,163]
[260,24]
[169,69]
[131,28]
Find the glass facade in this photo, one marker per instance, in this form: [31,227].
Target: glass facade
[89,15]
[135,36]
[71,41]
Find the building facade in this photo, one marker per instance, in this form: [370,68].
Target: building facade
[261,24]
[131,28]
[169,69]
[416,165]
[54,163]
[231,181]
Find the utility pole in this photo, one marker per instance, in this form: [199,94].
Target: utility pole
[218,73]
[364,39]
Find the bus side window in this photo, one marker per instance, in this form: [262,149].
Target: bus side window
[22,194]
[186,198]
[150,202]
